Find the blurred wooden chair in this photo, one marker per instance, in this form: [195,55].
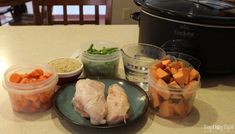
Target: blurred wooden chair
[18,12]
[43,11]
[3,11]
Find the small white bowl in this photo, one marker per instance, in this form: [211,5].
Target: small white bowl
[68,69]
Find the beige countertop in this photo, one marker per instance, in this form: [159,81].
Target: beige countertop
[214,106]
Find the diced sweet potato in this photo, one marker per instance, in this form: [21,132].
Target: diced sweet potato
[162,84]
[166,62]
[180,109]
[166,109]
[194,74]
[164,94]
[174,84]
[188,89]
[155,97]
[182,76]
[179,78]
[188,107]
[159,65]
[154,75]
[177,65]
[167,70]
[173,70]
[161,73]
[176,97]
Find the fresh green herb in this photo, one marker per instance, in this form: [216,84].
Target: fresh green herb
[103,51]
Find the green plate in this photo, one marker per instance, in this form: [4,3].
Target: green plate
[137,97]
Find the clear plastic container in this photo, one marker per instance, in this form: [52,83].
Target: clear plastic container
[30,97]
[172,93]
[192,60]
[137,58]
[100,65]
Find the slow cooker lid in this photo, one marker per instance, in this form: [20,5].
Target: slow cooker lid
[204,11]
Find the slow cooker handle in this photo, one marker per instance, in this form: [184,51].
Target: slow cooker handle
[135,16]
[138,2]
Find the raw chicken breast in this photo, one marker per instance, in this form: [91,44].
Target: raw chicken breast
[89,100]
[118,104]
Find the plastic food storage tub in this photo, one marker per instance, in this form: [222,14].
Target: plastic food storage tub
[172,87]
[100,65]
[137,57]
[31,97]
[68,69]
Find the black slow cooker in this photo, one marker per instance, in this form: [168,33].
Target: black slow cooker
[204,29]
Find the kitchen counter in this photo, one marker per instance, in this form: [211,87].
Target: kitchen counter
[213,110]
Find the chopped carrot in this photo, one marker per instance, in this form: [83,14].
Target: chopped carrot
[31,102]
[24,80]
[40,71]
[15,77]
[34,76]
[33,97]
[44,97]
[47,74]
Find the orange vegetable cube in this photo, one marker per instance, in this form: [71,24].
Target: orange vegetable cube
[194,74]
[174,84]
[166,109]
[15,77]
[166,62]
[161,73]
[155,97]
[180,109]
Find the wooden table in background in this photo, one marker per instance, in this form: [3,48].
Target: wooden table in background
[12,2]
